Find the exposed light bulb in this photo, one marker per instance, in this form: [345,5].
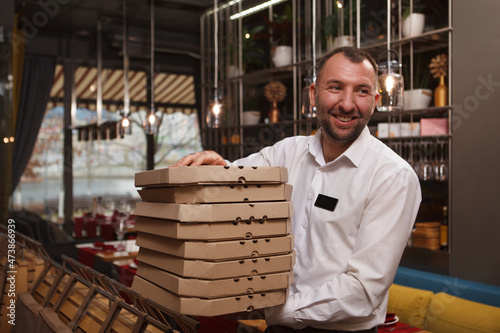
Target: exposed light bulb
[215,112]
[216,108]
[5,140]
[152,119]
[339,4]
[125,122]
[389,83]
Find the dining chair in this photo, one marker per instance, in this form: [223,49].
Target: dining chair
[49,322]
[43,294]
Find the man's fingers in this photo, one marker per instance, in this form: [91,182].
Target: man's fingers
[201,158]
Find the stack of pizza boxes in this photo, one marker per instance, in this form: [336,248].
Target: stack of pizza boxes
[214,240]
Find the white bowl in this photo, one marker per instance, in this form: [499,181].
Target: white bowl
[417,99]
[251,117]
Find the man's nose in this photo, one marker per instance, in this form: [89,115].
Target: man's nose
[347,101]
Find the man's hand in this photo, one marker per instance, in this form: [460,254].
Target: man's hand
[207,157]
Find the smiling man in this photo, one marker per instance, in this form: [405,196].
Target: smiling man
[355,202]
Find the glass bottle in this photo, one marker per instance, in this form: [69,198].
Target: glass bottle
[443,230]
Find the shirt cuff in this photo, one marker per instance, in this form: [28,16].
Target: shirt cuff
[283,315]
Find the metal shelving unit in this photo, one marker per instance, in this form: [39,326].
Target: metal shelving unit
[234,140]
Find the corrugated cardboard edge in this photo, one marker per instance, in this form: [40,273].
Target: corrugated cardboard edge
[220,250]
[206,174]
[215,212]
[189,287]
[207,307]
[214,230]
[219,269]
[192,194]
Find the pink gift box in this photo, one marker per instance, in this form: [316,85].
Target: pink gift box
[433,126]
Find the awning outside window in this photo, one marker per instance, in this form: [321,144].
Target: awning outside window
[173,92]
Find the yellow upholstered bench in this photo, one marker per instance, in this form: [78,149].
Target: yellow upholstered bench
[447,313]
[409,304]
[441,312]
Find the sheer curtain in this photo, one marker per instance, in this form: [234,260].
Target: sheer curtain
[38,76]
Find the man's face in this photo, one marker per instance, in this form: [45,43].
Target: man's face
[345,97]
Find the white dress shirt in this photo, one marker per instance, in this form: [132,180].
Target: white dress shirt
[346,260]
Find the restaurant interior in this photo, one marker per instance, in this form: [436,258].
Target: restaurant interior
[94,93]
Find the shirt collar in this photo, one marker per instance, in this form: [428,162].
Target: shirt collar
[354,153]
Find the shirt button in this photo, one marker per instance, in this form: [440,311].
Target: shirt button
[311,196]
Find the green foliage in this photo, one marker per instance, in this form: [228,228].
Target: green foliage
[251,52]
[418,7]
[281,27]
[421,73]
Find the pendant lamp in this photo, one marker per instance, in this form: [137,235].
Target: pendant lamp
[151,121]
[215,110]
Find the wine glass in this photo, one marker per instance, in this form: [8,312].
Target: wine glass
[443,163]
[121,229]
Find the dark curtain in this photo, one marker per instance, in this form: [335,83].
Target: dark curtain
[38,76]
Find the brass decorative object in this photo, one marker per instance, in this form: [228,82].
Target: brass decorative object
[274,92]
[438,68]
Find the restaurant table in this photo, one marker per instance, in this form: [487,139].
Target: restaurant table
[126,271]
[111,251]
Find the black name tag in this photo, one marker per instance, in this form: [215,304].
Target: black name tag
[326,202]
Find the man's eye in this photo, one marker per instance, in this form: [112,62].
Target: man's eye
[334,88]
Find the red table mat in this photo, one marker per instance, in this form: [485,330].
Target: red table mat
[127,274]
[86,255]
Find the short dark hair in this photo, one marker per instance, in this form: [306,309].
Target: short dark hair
[353,54]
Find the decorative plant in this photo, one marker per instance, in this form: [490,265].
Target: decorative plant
[275,92]
[439,66]
[420,76]
[251,52]
[418,7]
[280,27]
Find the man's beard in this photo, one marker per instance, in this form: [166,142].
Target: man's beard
[330,130]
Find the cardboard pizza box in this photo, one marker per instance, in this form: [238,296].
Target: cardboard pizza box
[215,212]
[202,269]
[207,307]
[209,174]
[189,287]
[213,230]
[219,250]
[217,193]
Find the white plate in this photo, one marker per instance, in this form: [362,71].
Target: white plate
[133,265]
[392,322]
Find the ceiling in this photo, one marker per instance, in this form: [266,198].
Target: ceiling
[68,28]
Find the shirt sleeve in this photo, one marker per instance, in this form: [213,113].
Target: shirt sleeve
[262,158]
[390,211]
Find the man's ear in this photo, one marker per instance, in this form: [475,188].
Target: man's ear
[377,96]
[312,94]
